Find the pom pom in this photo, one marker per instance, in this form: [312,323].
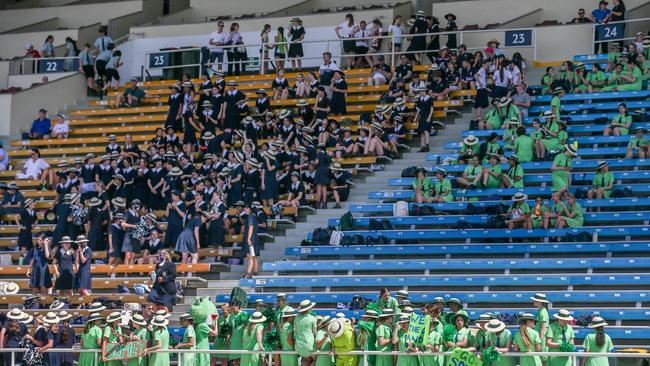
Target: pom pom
[489,355]
[241,319]
[269,313]
[567,347]
[373,306]
[224,331]
[448,333]
[271,340]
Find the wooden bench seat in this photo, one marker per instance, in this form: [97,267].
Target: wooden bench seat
[74,300]
[112,270]
[118,120]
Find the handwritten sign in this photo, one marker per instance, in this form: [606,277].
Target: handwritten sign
[461,357]
[126,350]
[418,329]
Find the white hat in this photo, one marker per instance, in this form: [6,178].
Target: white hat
[495,326]
[336,328]
[159,321]
[64,315]
[563,314]
[289,312]
[257,317]
[597,322]
[15,314]
[51,318]
[113,317]
[306,305]
[540,297]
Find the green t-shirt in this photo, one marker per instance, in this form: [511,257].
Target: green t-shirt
[509,111]
[542,318]
[304,334]
[236,335]
[636,143]
[384,331]
[160,336]
[519,209]
[472,171]
[285,330]
[427,186]
[514,172]
[590,345]
[112,334]
[559,334]
[469,149]
[524,146]
[518,340]
[500,340]
[602,180]
[596,79]
[92,338]
[555,103]
[461,335]
[442,188]
[494,118]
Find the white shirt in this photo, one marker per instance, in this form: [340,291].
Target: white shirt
[361,34]
[515,75]
[218,37]
[481,78]
[61,128]
[35,168]
[396,32]
[499,81]
[346,30]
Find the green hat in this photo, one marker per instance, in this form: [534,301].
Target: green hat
[463,313]
[454,300]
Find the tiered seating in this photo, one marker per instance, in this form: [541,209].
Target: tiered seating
[426,255]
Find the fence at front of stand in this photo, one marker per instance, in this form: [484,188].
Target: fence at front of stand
[363,355]
[511,40]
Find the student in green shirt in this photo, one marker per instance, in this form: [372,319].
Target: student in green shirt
[501,339]
[385,301]
[160,342]
[140,332]
[112,334]
[644,65]
[555,209]
[366,337]
[580,80]
[442,187]
[489,147]
[561,169]
[492,175]
[189,341]
[384,332]
[632,79]
[422,185]
[479,340]
[573,217]
[252,340]
[547,80]
[323,342]
[400,341]
[524,146]
[549,141]
[507,110]
[433,343]
[601,185]
[285,328]
[556,104]
[304,331]
[510,134]
[493,118]
[559,332]
[91,338]
[614,79]
[518,215]
[461,334]
[537,213]
[514,177]
[542,320]
[596,78]
[527,340]
[237,330]
[468,149]
[638,145]
[621,123]
[597,342]
[471,175]
[566,74]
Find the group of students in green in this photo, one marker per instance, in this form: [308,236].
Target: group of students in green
[624,73]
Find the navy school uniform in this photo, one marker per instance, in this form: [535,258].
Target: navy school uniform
[252,183]
[338,97]
[174,225]
[27,220]
[232,119]
[424,105]
[323,102]
[174,102]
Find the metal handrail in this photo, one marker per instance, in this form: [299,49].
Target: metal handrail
[626,21]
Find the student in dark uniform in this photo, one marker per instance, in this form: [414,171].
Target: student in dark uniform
[424,113]
[64,259]
[236,178]
[216,232]
[163,292]
[322,180]
[341,182]
[115,239]
[95,220]
[129,175]
[322,106]
[131,245]
[155,182]
[140,188]
[83,277]
[296,36]
[252,180]
[204,89]
[339,88]
[233,99]
[175,213]
[61,209]
[304,112]
[40,279]
[250,242]
[451,27]
[296,192]
[174,116]
[27,218]
[270,190]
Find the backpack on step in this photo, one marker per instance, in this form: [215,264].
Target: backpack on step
[400,209]
[335,238]
[346,223]
[320,236]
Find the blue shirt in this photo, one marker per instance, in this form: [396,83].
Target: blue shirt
[600,14]
[5,156]
[105,55]
[41,126]
[113,62]
[102,42]
[86,58]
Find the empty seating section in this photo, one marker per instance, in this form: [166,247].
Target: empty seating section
[606,272]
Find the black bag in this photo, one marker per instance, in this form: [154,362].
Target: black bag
[358,239]
[374,225]
[423,210]
[320,236]
[358,303]
[620,193]
[32,303]
[498,209]
[409,172]
[461,225]
[473,125]
[386,225]
[577,238]
[472,209]
[346,222]
[496,222]
[580,193]
[584,319]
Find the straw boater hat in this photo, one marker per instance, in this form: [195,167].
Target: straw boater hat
[402,293]
[232,83]
[289,312]
[64,315]
[387,312]
[438,300]
[159,321]
[340,315]
[383,108]
[444,173]
[81,239]
[96,307]
[15,314]
[526,317]
[302,103]
[11,288]
[208,135]
[454,300]
[540,297]
[324,321]
[572,150]
[336,328]
[398,102]
[114,317]
[93,317]
[597,322]
[404,319]
[519,196]
[563,314]
[461,313]
[284,113]
[434,67]
[57,305]
[28,202]
[548,114]
[370,314]
[495,326]
[336,166]
[185,316]
[483,318]
[407,310]
[602,164]
[138,319]
[558,90]
[94,202]
[163,313]
[225,171]
[470,140]
[118,202]
[306,305]
[257,317]
[51,318]
[206,103]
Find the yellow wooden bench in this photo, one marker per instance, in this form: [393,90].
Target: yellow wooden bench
[113,270]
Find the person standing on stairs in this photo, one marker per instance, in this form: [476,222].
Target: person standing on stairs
[424,113]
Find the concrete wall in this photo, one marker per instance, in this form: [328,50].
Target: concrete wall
[4,74]
[523,21]
[17,111]
[483,12]
[14,43]
[70,16]
[120,26]
[42,26]
[25,81]
[225,7]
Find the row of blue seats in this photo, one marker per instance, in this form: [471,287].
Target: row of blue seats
[619,177]
[638,189]
[468,249]
[573,118]
[578,164]
[590,217]
[581,140]
[371,208]
[448,234]
[570,97]
[604,106]
[585,152]
[482,297]
[456,264]
[505,280]
[571,129]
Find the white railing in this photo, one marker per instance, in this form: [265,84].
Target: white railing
[514,39]
[615,31]
[364,354]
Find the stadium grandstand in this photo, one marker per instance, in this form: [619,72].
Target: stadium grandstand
[320,183]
